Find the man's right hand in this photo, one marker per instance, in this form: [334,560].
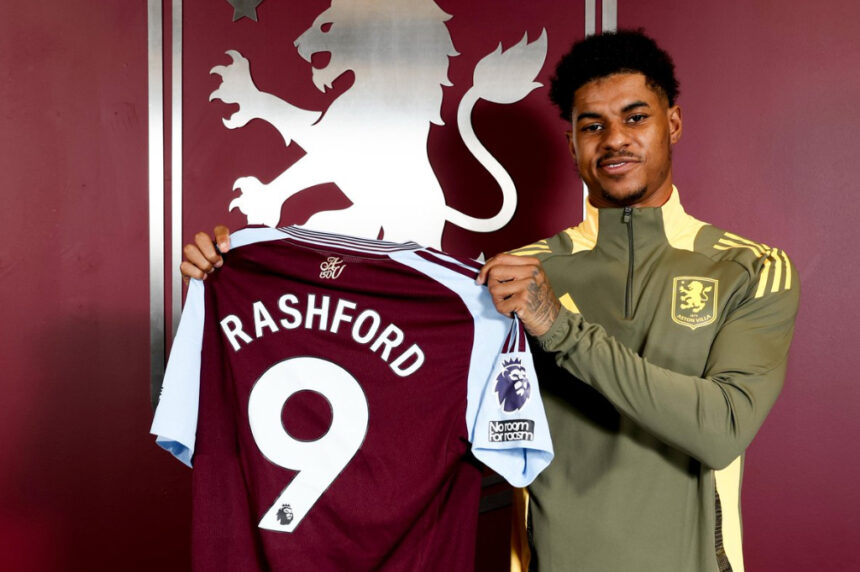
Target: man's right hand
[518,284]
[201,257]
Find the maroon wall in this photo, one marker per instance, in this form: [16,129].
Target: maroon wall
[82,487]
[769,96]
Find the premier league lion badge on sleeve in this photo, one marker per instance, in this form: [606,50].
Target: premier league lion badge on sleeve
[512,385]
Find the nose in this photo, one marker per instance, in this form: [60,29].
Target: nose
[615,136]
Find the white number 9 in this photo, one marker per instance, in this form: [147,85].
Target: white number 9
[319,462]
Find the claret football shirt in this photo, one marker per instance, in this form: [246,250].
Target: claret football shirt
[332,394]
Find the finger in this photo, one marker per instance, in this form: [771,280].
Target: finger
[502,274]
[504,261]
[516,301]
[196,258]
[188,270]
[504,290]
[207,249]
[511,260]
[509,306]
[222,238]
[485,270]
[537,308]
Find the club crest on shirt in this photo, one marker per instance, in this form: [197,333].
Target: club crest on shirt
[513,387]
[694,301]
[332,268]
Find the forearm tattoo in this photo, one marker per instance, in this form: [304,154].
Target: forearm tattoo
[542,304]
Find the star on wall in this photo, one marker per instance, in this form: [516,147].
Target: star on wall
[244,9]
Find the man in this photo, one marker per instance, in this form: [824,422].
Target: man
[670,336]
[667,338]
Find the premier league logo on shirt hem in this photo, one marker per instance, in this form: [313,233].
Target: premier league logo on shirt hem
[285,514]
[512,386]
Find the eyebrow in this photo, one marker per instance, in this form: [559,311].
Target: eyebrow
[626,109]
[588,115]
[634,105]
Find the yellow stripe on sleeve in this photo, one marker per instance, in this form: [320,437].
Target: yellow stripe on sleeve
[530,249]
[742,240]
[787,270]
[775,262]
[724,244]
[777,271]
[762,281]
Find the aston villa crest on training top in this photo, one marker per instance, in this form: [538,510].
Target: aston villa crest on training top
[694,301]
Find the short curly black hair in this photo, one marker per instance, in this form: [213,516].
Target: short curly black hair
[610,53]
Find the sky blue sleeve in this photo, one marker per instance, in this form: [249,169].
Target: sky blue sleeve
[508,428]
[506,421]
[175,421]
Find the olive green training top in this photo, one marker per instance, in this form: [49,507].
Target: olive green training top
[672,342]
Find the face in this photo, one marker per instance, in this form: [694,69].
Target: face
[622,138]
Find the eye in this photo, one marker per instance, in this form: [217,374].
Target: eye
[592,128]
[637,118]
[326,27]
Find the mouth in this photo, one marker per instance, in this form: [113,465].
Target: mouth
[617,165]
[320,60]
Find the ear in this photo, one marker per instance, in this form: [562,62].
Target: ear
[675,126]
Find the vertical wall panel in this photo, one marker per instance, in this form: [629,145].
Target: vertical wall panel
[81,485]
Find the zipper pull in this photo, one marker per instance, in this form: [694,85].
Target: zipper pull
[628,212]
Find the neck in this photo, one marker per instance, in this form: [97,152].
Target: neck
[644,199]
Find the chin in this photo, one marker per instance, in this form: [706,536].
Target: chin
[623,198]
